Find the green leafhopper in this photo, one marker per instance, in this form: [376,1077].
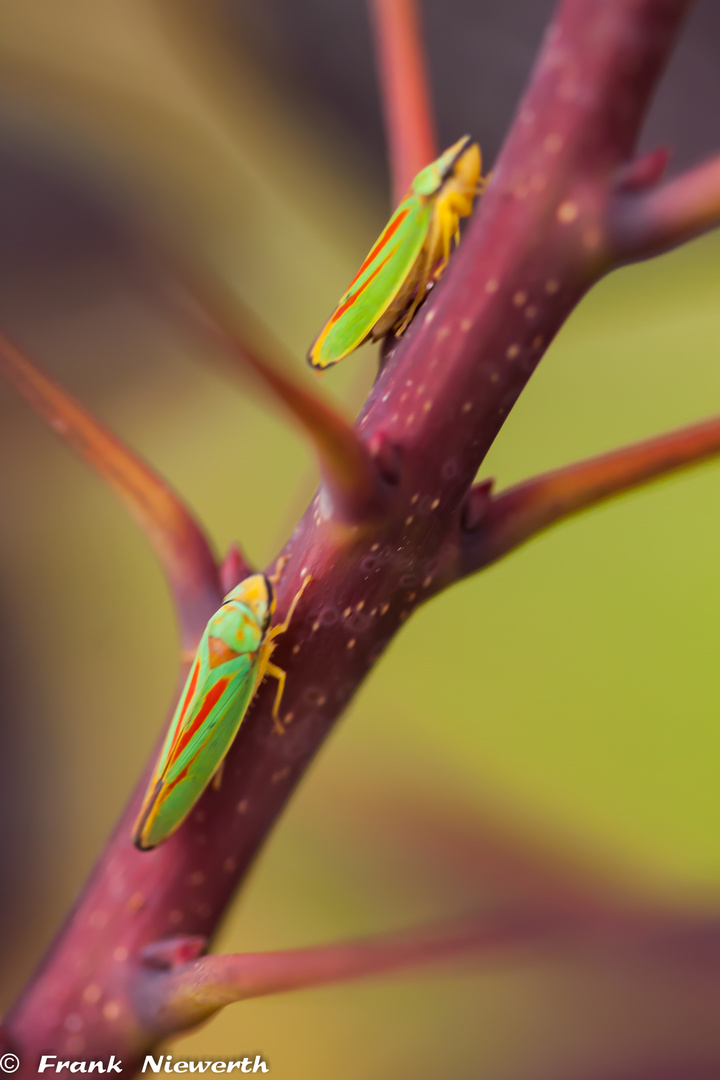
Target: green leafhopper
[230,663]
[411,252]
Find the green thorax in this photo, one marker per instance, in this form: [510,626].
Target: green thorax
[433,176]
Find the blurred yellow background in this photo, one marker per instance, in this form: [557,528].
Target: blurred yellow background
[573,686]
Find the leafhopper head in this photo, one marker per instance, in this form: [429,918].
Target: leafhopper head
[430,179]
[256,593]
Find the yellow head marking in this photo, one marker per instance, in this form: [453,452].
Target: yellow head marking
[256,593]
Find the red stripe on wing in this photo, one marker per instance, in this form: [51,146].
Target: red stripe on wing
[211,699]
[173,783]
[358,292]
[192,686]
[390,228]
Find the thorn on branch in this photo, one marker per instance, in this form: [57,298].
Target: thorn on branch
[516,515]
[349,476]
[233,569]
[175,998]
[183,997]
[179,543]
[409,124]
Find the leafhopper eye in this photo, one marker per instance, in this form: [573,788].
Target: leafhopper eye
[271,602]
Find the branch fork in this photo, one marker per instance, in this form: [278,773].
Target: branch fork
[658,217]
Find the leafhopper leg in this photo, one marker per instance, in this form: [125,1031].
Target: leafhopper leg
[282,627]
[280,675]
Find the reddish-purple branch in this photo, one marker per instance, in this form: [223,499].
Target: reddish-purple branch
[375,547]
[409,124]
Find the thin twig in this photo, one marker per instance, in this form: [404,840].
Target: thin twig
[350,478]
[520,513]
[189,993]
[177,539]
[402,67]
[172,995]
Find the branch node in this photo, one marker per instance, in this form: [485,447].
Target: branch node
[173,952]
[642,223]
[234,568]
[387,457]
[643,172]
[476,505]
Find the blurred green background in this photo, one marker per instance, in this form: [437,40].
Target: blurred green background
[573,686]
